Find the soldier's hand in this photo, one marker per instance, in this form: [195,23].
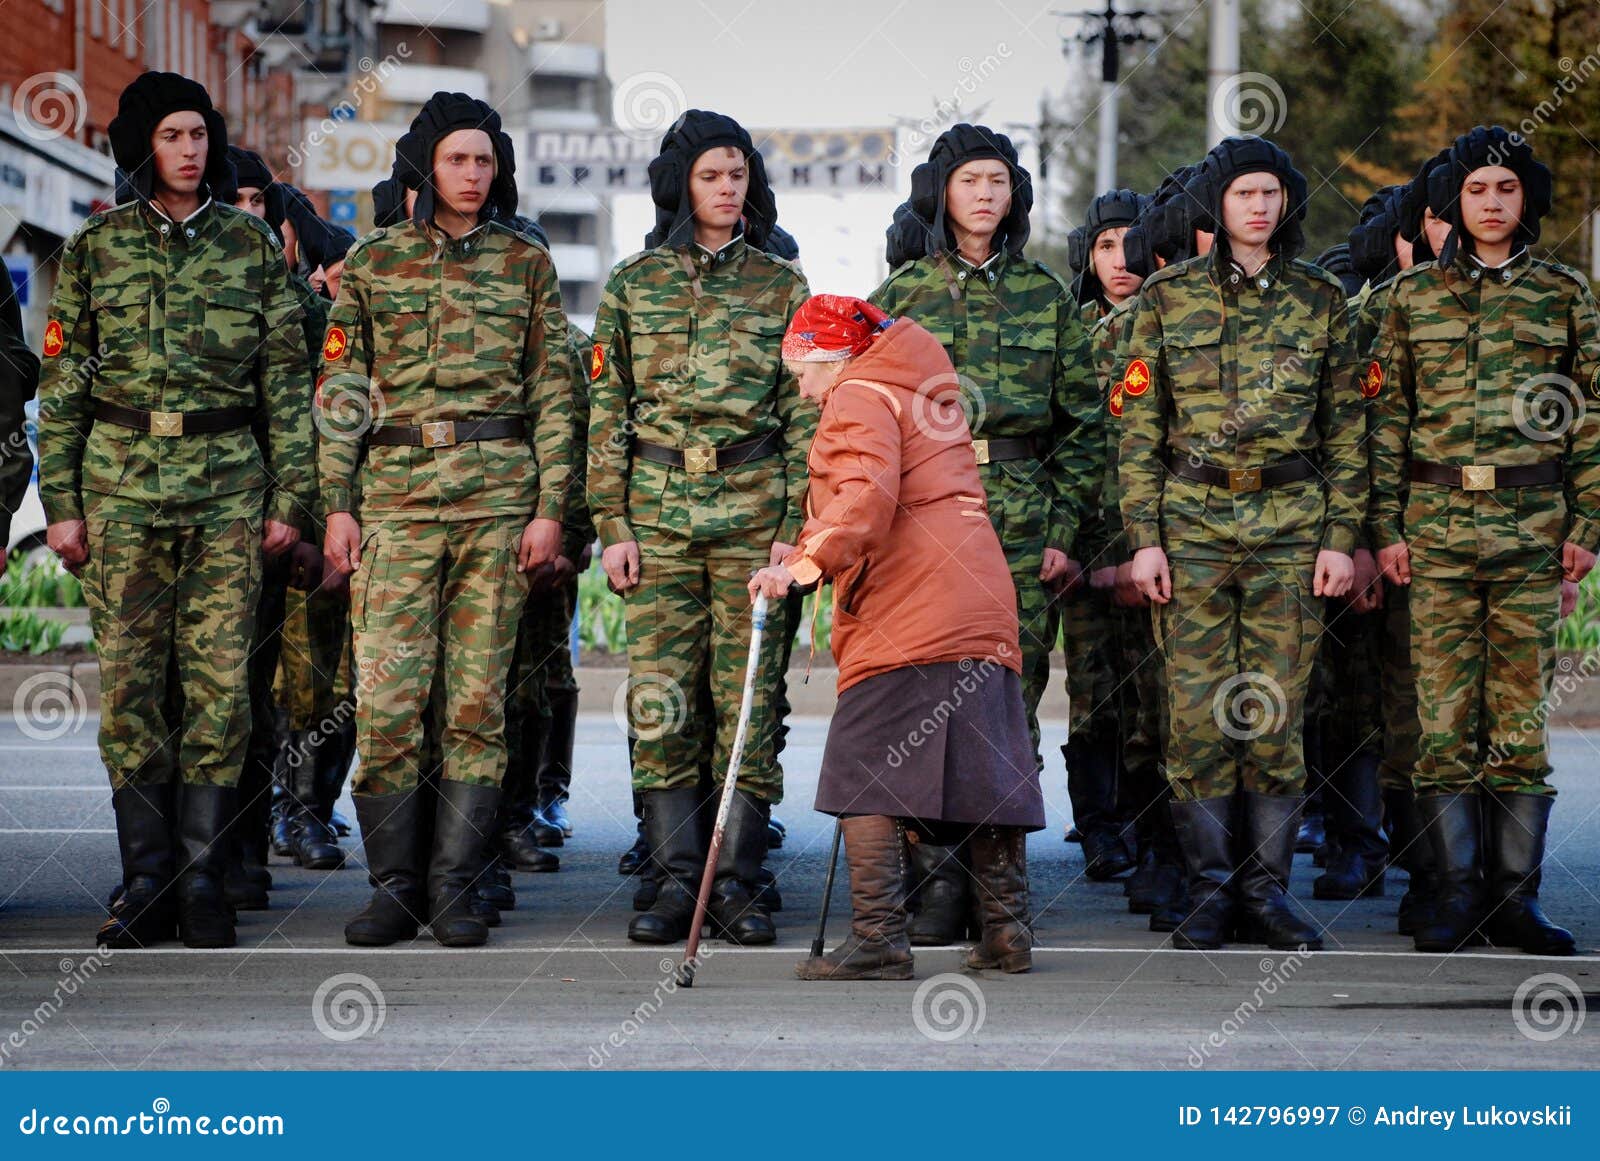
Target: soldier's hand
[1395,563]
[1576,561]
[541,544]
[278,538]
[773,581]
[621,564]
[1126,594]
[342,543]
[1053,569]
[1151,574]
[69,540]
[1101,579]
[779,551]
[562,570]
[1335,572]
[2,560]
[305,566]
[1569,598]
[1366,591]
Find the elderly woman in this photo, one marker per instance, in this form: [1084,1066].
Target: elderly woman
[930,735]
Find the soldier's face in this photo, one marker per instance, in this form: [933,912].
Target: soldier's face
[291,244]
[1404,251]
[463,170]
[1491,204]
[179,145]
[1109,267]
[251,200]
[1203,241]
[978,196]
[1252,207]
[718,185]
[1436,229]
[325,279]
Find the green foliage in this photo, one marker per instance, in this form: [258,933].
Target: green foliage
[40,587]
[24,631]
[1581,631]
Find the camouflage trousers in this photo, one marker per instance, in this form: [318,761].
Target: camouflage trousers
[1143,697]
[1398,686]
[1094,685]
[314,661]
[689,628]
[1019,509]
[434,597]
[1484,653]
[174,606]
[1239,641]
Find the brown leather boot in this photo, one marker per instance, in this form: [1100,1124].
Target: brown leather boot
[999,866]
[876,948]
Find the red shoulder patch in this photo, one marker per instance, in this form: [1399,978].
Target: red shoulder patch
[1114,405]
[1136,380]
[54,341]
[1372,381]
[335,345]
[597,361]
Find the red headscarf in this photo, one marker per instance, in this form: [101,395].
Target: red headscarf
[832,326]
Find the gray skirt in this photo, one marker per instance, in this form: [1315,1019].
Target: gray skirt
[936,744]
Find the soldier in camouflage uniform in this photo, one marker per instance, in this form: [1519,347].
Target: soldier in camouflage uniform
[1013,332]
[1090,620]
[447,348]
[172,333]
[697,445]
[542,694]
[1241,459]
[1484,364]
[19,378]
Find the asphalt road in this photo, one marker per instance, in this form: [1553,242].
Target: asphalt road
[561,987]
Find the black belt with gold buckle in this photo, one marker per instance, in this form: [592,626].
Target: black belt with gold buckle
[447,432]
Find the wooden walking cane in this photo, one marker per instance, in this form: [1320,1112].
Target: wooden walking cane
[758,626]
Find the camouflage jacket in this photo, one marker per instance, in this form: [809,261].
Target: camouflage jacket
[692,360]
[577,527]
[428,329]
[1487,367]
[1366,319]
[1108,337]
[1241,371]
[174,316]
[1015,336]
